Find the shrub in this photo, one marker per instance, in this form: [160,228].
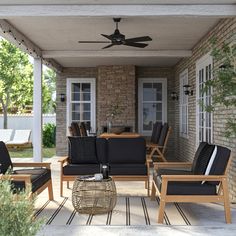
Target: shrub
[49,135]
[17,212]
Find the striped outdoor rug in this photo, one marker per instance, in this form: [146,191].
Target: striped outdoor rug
[128,211]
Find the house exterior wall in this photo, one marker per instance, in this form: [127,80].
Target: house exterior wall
[116,86]
[185,147]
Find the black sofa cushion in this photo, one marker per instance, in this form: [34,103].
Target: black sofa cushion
[39,176]
[82,150]
[183,188]
[5,160]
[128,169]
[126,150]
[81,169]
[101,148]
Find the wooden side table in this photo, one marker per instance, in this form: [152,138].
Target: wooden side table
[94,196]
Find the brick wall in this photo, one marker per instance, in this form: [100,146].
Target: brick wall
[116,85]
[185,148]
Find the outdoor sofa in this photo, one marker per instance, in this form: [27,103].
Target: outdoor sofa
[126,158]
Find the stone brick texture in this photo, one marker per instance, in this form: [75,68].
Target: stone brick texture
[120,83]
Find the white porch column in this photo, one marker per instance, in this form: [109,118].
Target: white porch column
[37,107]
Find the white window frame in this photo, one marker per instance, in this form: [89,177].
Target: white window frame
[92,81]
[140,101]
[201,64]
[183,80]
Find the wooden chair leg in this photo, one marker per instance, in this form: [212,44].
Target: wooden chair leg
[50,191]
[68,184]
[153,192]
[161,212]
[61,187]
[226,201]
[145,184]
[148,188]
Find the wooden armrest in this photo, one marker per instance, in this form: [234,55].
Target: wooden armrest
[159,165]
[153,145]
[63,159]
[32,164]
[193,178]
[25,178]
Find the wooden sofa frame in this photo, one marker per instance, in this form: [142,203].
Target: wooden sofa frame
[64,160]
[222,193]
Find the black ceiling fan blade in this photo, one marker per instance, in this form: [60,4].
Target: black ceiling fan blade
[138,45]
[93,41]
[139,39]
[108,46]
[107,36]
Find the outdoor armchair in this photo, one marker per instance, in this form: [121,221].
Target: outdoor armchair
[204,180]
[21,139]
[37,178]
[5,135]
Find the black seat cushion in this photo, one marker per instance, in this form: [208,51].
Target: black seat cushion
[5,160]
[39,176]
[126,150]
[82,150]
[128,169]
[163,134]
[183,188]
[81,169]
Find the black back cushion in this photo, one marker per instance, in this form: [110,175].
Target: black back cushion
[83,130]
[153,132]
[221,160]
[163,134]
[5,160]
[203,159]
[157,132]
[126,150]
[101,147]
[201,146]
[82,150]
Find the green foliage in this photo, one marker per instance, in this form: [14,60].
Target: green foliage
[17,213]
[49,131]
[224,82]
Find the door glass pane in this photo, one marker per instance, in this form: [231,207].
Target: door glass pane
[75,87]
[157,87]
[86,87]
[147,92]
[147,116]
[75,116]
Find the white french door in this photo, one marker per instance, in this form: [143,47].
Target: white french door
[81,99]
[204,126]
[152,103]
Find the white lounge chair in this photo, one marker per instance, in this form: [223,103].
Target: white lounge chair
[5,135]
[21,139]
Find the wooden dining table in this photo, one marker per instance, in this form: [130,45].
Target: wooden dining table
[122,135]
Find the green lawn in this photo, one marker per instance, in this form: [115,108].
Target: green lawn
[28,152]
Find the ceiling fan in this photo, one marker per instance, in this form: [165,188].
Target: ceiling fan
[119,39]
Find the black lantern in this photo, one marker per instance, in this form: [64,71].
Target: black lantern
[187,90]
[62,97]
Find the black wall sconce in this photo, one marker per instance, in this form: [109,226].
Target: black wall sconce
[174,96]
[187,90]
[62,97]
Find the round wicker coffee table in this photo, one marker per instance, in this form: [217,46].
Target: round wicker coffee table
[93,196]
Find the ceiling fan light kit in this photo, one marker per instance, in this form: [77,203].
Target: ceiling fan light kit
[119,39]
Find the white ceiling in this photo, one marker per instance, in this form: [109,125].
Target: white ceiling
[13,2]
[63,34]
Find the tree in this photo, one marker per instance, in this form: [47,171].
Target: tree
[224,82]
[12,72]
[16,82]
